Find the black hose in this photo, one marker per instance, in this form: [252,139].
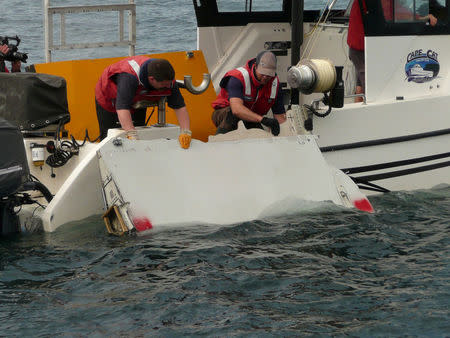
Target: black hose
[86,138]
[58,158]
[36,185]
[325,100]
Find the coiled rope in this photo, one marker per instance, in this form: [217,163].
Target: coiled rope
[325,74]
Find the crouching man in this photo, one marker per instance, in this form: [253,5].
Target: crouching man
[248,93]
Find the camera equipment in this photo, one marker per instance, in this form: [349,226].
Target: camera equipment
[13,54]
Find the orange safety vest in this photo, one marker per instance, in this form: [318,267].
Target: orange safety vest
[256,98]
[106,89]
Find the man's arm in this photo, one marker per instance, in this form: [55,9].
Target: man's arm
[126,89]
[183,117]
[4,49]
[125,119]
[432,19]
[281,118]
[176,102]
[242,112]
[279,112]
[15,65]
[235,91]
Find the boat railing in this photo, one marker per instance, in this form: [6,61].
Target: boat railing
[316,102]
[357,95]
[50,11]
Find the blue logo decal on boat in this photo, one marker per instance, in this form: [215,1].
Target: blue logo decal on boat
[422,66]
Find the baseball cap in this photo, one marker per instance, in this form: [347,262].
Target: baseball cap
[266,63]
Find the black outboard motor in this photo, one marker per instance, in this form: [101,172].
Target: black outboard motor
[14,173]
[15,178]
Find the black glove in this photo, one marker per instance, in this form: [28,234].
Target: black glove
[272,124]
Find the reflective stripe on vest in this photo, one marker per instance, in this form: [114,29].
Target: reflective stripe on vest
[273,91]
[248,88]
[246,75]
[136,69]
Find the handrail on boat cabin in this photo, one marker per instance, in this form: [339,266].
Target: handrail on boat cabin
[357,95]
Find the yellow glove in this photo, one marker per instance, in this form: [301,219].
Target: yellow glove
[132,135]
[185,138]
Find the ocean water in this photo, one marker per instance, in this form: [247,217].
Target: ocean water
[325,272]
[156,30]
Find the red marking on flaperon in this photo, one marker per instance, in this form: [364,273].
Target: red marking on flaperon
[142,223]
[363,205]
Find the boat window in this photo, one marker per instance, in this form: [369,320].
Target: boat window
[216,13]
[406,10]
[249,5]
[322,5]
[273,5]
[406,17]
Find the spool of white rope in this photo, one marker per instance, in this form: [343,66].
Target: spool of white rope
[312,76]
[325,73]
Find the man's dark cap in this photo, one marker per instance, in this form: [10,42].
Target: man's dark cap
[161,70]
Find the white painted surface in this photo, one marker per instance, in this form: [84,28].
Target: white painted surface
[80,194]
[386,58]
[220,182]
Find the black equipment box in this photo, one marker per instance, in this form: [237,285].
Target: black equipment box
[33,100]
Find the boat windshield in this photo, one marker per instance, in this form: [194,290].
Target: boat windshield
[410,10]
[272,5]
[406,17]
[381,17]
[214,13]
[249,6]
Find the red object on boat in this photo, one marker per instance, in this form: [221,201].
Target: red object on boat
[363,205]
[142,223]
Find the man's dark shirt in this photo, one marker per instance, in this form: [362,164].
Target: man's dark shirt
[235,88]
[127,85]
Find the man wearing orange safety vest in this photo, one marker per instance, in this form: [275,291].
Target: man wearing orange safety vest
[124,84]
[248,93]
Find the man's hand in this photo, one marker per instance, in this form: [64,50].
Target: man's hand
[3,50]
[272,124]
[185,138]
[432,19]
[132,134]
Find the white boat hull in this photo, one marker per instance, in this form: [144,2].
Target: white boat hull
[405,148]
[219,182]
